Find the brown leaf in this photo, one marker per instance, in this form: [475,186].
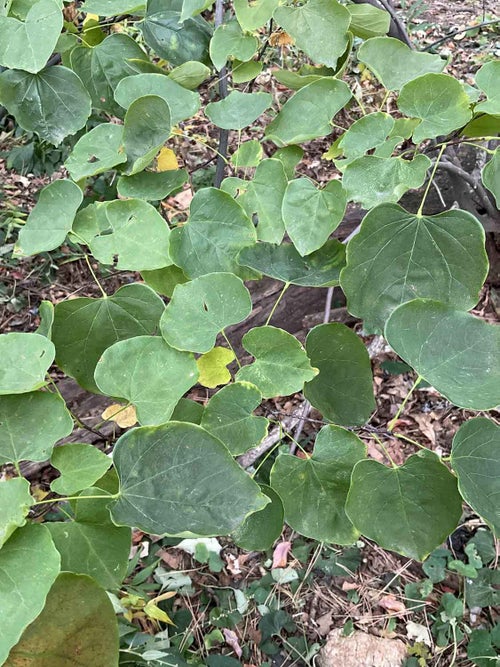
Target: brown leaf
[232,640]
[390,603]
[280,554]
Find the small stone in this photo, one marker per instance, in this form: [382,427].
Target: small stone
[361,650]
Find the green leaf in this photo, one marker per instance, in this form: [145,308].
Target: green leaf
[176,42]
[214,301]
[46,313]
[243,72]
[199,489]
[283,262]
[260,530]
[456,353]
[319,28]
[133,237]
[98,549]
[373,180]
[98,151]
[102,67]
[482,125]
[164,280]
[289,156]
[52,103]
[51,219]
[342,391]
[187,410]
[487,79]
[281,365]
[230,41]
[190,74]
[181,102]
[84,328]
[248,154]
[15,503]
[295,80]
[491,176]
[77,625]
[310,214]
[147,127]
[27,45]
[385,261]
[238,110]
[80,466]
[29,564]
[366,133]
[213,368]
[228,416]
[308,114]
[439,101]
[394,63]
[24,361]
[151,185]
[368,21]
[149,373]
[253,16]
[476,462]
[193,8]
[409,509]
[216,231]
[263,197]
[30,425]
[314,490]
[112,7]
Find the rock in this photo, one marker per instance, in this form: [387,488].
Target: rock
[361,650]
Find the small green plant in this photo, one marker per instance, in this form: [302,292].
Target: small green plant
[407,274]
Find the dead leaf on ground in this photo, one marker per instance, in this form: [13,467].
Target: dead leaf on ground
[280,554]
[123,416]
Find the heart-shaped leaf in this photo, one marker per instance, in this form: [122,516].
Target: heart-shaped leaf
[147,372]
[52,103]
[30,425]
[77,624]
[261,529]
[97,151]
[230,41]
[342,391]
[51,219]
[24,361]
[319,28]
[283,262]
[281,365]
[229,416]
[199,489]
[385,260]
[314,490]
[182,103]
[15,503]
[27,45]
[308,114]
[253,16]
[238,110]
[147,126]
[368,21]
[80,466]
[366,133]
[151,185]
[372,180]
[84,328]
[457,353]
[214,301]
[216,231]
[487,80]
[310,214]
[29,564]
[394,63]
[409,509]
[439,101]
[476,461]
[213,368]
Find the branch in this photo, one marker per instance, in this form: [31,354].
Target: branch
[474,183]
[287,424]
[458,32]
[223,134]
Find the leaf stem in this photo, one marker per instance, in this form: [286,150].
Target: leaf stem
[421,207]
[105,296]
[400,436]
[386,97]
[64,499]
[384,449]
[393,421]
[223,333]
[281,294]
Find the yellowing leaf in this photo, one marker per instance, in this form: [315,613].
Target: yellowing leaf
[89,18]
[166,160]
[123,416]
[212,367]
[158,614]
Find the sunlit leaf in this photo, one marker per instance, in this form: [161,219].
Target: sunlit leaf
[166,160]
[212,367]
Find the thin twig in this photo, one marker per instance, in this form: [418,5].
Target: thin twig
[287,424]
[223,134]
[473,182]
[458,32]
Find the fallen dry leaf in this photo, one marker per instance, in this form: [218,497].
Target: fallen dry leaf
[393,605]
[232,640]
[123,416]
[280,554]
